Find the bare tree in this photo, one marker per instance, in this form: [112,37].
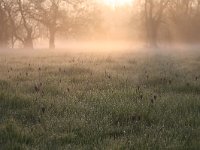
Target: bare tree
[23,28]
[56,15]
[28,39]
[154,15]
[47,12]
[11,11]
[185,19]
[4,31]
[3,25]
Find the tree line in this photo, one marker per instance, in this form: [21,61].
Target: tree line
[24,21]
[171,20]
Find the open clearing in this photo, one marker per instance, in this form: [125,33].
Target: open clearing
[130,100]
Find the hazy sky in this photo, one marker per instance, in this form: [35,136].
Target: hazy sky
[114,3]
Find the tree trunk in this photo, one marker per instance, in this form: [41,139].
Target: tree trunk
[52,34]
[153,37]
[152,33]
[28,42]
[12,41]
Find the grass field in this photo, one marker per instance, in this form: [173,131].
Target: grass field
[119,100]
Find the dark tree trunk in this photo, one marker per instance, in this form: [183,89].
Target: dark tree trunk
[153,19]
[12,41]
[28,42]
[4,38]
[152,33]
[52,34]
[153,37]
[4,33]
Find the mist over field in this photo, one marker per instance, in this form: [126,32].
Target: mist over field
[99,74]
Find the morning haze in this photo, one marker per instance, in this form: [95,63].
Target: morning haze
[99,74]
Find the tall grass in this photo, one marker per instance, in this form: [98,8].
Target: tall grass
[126,101]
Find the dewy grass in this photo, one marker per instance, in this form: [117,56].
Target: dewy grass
[136,101]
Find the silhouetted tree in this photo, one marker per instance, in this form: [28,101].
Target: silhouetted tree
[48,12]
[4,24]
[185,19]
[22,27]
[154,15]
[57,15]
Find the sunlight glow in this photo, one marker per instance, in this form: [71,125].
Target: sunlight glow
[115,3]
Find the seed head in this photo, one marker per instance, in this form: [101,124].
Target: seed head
[139,118]
[138,88]
[43,109]
[170,81]
[37,89]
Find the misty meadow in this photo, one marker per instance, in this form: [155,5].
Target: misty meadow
[99,74]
